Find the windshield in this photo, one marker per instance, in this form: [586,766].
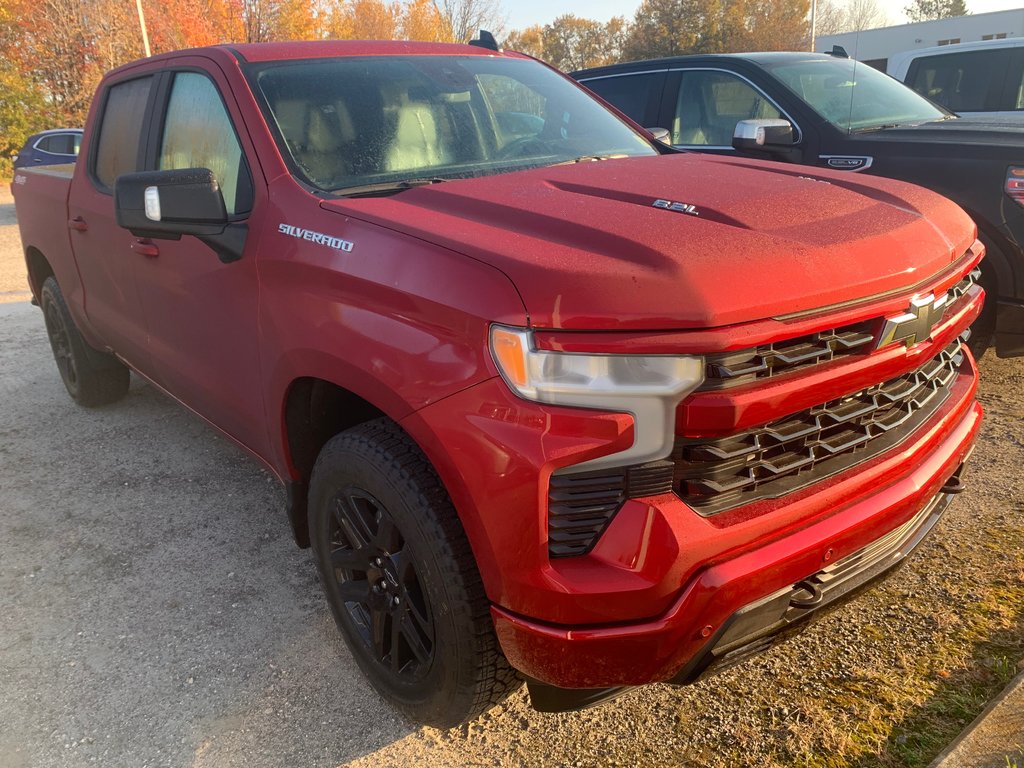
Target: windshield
[355,122]
[853,96]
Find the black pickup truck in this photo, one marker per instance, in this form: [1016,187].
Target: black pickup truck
[831,111]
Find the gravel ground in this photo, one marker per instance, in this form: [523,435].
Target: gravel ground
[153,612]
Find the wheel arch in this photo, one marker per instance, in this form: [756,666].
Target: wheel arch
[39,268]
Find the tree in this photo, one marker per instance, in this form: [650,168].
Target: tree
[665,28]
[929,10]
[571,43]
[864,14]
[529,41]
[366,20]
[421,20]
[467,17]
[674,27]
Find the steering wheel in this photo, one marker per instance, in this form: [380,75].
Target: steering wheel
[520,148]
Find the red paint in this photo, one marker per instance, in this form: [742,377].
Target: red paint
[579,253]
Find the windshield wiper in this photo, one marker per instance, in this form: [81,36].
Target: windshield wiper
[588,159]
[383,187]
[883,127]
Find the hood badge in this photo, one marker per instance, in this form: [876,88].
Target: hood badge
[916,324]
[668,205]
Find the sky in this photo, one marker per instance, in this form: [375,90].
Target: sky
[523,13]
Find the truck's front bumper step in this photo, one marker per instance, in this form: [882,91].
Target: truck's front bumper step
[786,612]
[758,626]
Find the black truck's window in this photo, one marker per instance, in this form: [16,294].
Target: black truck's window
[711,103]
[636,95]
[117,150]
[198,134]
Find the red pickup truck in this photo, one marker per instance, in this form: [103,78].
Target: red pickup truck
[547,405]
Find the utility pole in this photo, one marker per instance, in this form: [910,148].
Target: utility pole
[145,35]
[814,22]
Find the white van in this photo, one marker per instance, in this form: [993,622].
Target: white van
[984,78]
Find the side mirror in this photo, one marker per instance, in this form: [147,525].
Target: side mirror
[168,204]
[762,135]
[659,134]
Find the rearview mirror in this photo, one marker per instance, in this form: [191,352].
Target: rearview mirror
[762,134]
[168,204]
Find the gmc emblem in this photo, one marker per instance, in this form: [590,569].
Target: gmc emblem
[916,325]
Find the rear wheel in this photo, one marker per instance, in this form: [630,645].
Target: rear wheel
[401,579]
[91,377]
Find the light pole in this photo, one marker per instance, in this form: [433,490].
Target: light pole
[145,35]
[814,20]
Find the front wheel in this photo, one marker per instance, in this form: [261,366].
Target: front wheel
[401,580]
[91,377]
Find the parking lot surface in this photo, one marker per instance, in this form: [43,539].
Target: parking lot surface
[154,611]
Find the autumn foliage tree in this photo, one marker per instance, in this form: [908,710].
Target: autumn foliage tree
[675,27]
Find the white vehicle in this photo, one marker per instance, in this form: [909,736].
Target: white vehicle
[983,79]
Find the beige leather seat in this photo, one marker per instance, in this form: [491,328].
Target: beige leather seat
[319,137]
[329,136]
[416,144]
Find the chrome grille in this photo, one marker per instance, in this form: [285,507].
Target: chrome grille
[785,455]
[729,369]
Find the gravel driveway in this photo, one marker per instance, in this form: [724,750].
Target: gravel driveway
[153,611]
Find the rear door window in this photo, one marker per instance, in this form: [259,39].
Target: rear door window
[637,95]
[117,148]
[971,81]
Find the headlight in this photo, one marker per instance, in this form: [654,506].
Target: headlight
[647,386]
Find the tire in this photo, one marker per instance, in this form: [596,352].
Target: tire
[401,580]
[92,378]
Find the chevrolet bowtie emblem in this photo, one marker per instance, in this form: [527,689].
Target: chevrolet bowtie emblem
[915,325]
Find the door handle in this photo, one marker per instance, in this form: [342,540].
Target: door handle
[78,224]
[146,248]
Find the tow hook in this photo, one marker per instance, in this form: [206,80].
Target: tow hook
[955,484]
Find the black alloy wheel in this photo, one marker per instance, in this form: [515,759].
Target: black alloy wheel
[400,577]
[90,376]
[57,330]
[378,582]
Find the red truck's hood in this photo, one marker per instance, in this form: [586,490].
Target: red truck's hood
[587,249]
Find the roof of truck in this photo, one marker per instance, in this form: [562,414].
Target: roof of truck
[298,50]
[314,49]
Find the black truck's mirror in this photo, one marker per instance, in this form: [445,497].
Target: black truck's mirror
[659,134]
[763,135]
[168,204]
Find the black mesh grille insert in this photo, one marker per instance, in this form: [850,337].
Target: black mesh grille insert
[581,504]
[785,455]
[728,369]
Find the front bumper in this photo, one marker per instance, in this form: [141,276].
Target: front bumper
[765,622]
[700,630]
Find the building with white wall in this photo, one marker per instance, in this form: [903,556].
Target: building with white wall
[875,46]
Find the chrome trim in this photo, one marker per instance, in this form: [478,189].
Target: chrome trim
[954,267]
[623,74]
[756,87]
